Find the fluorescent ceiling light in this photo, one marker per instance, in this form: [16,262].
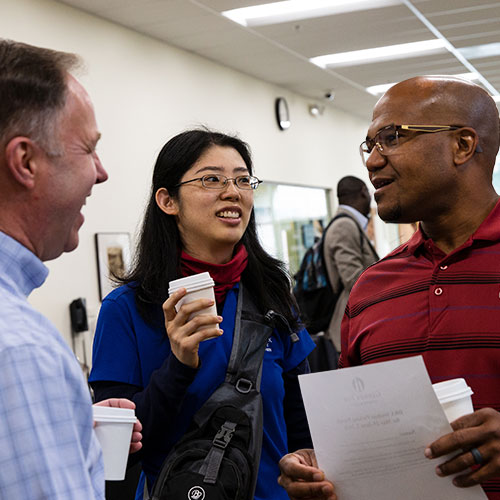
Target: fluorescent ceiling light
[479,51]
[377,54]
[381,89]
[294,10]
[468,76]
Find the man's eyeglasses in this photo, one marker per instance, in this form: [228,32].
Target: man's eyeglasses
[388,139]
[218,181]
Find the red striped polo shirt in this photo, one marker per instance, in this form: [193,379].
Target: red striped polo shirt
[418,300]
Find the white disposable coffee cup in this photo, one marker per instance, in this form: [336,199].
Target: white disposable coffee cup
[455,397]
[198,286]
[114,431]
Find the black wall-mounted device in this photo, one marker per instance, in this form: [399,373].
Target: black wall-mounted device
[78,314]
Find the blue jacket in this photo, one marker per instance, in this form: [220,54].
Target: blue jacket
[127,350]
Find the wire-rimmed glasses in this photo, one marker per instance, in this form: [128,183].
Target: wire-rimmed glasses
[387,139]
[218,181]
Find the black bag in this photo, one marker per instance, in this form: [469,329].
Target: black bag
[218,458]
[313,290]
[324,357]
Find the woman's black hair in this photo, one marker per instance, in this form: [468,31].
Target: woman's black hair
[157,258]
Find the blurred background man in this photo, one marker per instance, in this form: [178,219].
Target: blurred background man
[347,249]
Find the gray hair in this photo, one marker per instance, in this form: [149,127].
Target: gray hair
[33,92]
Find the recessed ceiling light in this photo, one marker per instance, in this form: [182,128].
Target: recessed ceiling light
[316,110]
[293,10]
[377,54]
[381,89]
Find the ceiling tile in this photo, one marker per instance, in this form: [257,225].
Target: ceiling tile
[279,53]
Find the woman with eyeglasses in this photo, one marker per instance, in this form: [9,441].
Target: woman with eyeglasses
[200,218]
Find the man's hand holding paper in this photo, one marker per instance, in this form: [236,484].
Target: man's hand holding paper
[302,478]
[371,438]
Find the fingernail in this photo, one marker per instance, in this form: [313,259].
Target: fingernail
[219,319]
[318,476]
[428,453]
[327,491]
[439,472]
[221,331]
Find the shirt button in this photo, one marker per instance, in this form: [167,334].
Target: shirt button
[438,291]
[443,267]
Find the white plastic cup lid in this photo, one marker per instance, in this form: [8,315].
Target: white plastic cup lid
[113,414]
[451,390]
[191,283]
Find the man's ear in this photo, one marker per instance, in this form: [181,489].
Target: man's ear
[467,143]
[22,157]
[165,202]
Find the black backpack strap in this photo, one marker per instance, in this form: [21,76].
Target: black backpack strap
[250,337]
[242,384]
[241,387]
[238,401]
[362,236]
[216,453]
[235,355]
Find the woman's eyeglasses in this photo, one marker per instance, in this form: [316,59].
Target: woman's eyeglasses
[218,181]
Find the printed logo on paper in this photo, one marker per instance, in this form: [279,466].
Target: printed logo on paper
[358,385]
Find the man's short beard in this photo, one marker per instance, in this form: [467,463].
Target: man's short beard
[393,215]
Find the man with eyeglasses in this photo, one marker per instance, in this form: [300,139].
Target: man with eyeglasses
[430,152]
[48,167]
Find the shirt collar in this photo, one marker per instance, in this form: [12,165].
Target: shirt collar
[360,218]
[488,230]
[20,268]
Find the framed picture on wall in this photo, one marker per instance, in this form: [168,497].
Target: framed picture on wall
[113,259]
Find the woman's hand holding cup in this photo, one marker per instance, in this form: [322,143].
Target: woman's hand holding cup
[185,330]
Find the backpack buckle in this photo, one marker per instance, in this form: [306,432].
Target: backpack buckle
[224,435]
[244,386]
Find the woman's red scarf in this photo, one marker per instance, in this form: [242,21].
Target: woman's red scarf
[225,276]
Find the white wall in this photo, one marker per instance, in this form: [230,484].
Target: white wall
[145,92]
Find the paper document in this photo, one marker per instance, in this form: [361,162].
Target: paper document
[370,426]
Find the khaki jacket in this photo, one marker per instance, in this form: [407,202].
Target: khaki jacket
[346,255]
